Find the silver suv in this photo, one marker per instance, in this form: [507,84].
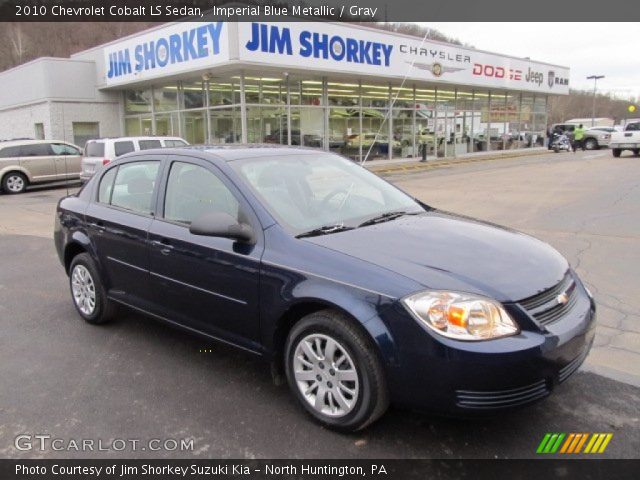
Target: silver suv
[25,162]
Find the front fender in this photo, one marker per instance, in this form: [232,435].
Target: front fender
[285,291]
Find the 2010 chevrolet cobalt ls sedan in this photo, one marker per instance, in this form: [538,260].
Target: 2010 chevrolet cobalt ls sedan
[359,293]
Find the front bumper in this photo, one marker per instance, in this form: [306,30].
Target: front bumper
[441,375]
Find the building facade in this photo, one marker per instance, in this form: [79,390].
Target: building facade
[355,90]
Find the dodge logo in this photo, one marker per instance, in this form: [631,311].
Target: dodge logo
[551,78]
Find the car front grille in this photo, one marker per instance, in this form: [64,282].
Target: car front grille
[488,400]
[551,305]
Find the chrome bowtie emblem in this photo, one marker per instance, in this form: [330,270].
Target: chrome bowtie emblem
[563,298]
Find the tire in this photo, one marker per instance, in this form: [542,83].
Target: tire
[556,149]
[590,144]
[83,267]
[361,363]
[616,152]
[636,152]
[14,182]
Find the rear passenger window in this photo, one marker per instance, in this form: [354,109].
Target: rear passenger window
[9,152]
[36,150]
[133,186]
[106,186]
[193,190]
[94,149]
[121,148]
[64,149]
[147,144]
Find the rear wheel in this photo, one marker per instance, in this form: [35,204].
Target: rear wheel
[334,372]
[14,182]
[87,292]
[636,152]
[616,152]
[590,144]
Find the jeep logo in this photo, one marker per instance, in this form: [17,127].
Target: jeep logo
[534,77]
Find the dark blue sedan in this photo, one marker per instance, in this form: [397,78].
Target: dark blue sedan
[360,294]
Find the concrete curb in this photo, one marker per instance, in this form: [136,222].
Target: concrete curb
[416,166]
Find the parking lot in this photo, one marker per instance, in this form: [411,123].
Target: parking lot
[137,379]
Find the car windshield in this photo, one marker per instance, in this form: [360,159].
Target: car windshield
[307,192]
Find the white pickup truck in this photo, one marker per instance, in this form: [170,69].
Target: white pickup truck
[629,139]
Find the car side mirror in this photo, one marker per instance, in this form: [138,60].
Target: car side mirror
[220,224]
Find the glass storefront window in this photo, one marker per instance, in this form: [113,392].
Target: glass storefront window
[307,127]
[137,101]
[224,92]
[167,124]
[375,96]
[343,94]
[344,125]
[266,125]
[483,132]
[402,142]
[194,126]
[193,94]
[351,117]
[166,98]
[225,125]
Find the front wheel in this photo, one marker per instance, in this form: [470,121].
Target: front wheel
[636,152]
[14,182]
[334,371]
[616,152]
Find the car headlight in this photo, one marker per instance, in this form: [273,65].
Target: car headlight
[461,316]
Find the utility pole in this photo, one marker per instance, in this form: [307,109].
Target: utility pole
[595,79]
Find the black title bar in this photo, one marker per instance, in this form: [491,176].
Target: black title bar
[314,10]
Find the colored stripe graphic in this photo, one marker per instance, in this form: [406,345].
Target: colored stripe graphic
[550,443]
[572,443]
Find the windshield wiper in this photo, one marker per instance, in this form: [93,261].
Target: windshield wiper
[385,217]
[324,230]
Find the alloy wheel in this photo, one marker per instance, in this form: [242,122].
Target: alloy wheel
[15,183]
[83,289]
[326,375]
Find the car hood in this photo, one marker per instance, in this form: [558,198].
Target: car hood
[441,251]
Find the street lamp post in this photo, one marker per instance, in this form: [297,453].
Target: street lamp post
[595,79]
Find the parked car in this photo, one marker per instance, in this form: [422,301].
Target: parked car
[357,293]
[26,162]
[597,137]
[281,137]
[101,151]
[627,140]
[375,142]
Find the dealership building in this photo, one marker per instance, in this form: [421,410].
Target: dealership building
[347,88]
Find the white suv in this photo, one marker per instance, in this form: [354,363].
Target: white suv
[101,151]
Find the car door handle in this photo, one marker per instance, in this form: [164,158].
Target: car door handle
[98,226]
[164,245]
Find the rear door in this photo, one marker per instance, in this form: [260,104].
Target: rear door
[118,221]
[38,159]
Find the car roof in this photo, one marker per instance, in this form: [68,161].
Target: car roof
[230,152]
[117,139]
[13,143]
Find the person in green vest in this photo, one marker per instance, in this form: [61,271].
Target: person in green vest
[578,138]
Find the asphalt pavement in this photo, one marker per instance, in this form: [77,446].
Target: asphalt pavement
[137,379]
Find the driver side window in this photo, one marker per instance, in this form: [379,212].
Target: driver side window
[193,190]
